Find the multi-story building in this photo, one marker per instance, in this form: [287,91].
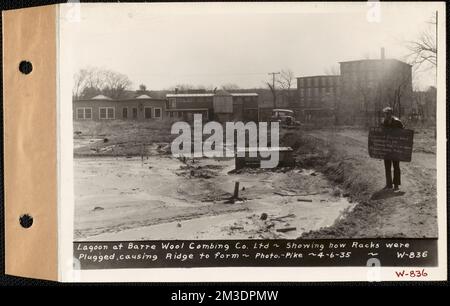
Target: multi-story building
[369,85]
[317,97]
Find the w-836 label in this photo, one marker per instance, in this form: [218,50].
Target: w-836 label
[419,273]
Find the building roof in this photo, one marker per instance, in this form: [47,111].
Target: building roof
[246,94]
[377,60]
[101,97]
[189,95]
[143,97]
[122,100]
[319,76]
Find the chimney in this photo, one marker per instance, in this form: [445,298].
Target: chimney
[382,53]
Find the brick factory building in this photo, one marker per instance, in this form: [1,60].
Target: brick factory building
[317,97]
[369,85]
[358,94]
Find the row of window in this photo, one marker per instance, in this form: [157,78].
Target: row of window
[316,91]
[325,81]
[105,113]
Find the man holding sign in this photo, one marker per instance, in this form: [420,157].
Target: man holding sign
[391,122]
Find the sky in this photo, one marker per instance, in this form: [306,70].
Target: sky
[212,44]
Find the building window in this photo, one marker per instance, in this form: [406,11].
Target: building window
[84,113]
[157,112]
[80,113]
[173,103]
[106,113]
[88,113]
[125,113]
[147,112]
[134,113]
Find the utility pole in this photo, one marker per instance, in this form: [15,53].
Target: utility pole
[273,87]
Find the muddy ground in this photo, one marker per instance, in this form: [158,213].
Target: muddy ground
[128,187]
[341,154]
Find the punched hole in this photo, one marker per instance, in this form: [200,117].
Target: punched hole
[26,221]
[25,67]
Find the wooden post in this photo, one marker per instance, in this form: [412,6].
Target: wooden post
[236,190]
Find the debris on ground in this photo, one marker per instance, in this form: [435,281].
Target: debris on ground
[286,229]
[304,200]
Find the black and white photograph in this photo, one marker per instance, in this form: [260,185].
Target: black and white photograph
[241,124]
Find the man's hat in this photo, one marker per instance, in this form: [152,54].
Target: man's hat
[387,109]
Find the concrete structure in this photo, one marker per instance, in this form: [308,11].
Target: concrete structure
[219,106]
[317,97]
[101,107]
[243,159]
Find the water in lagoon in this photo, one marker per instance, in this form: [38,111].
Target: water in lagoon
[118,198]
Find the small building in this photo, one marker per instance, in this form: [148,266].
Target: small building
[219,106]
[100,107]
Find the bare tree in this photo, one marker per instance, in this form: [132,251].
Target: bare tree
[332,70]
[229,86]
[274,93]
[399,89]
[79,83]
[423,50]
[115,84]
[92,81]
[142,88]
[284,80]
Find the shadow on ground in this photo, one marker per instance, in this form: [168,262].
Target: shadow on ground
[386,194]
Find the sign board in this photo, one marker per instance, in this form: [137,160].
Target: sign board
[393,144]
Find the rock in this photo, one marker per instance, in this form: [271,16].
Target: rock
[105,140]
[263,216]
[178,224]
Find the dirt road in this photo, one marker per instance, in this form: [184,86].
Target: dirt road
[409,213]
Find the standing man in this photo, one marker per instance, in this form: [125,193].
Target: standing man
[393,123]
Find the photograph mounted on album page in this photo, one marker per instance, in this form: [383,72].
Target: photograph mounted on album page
[207,142]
